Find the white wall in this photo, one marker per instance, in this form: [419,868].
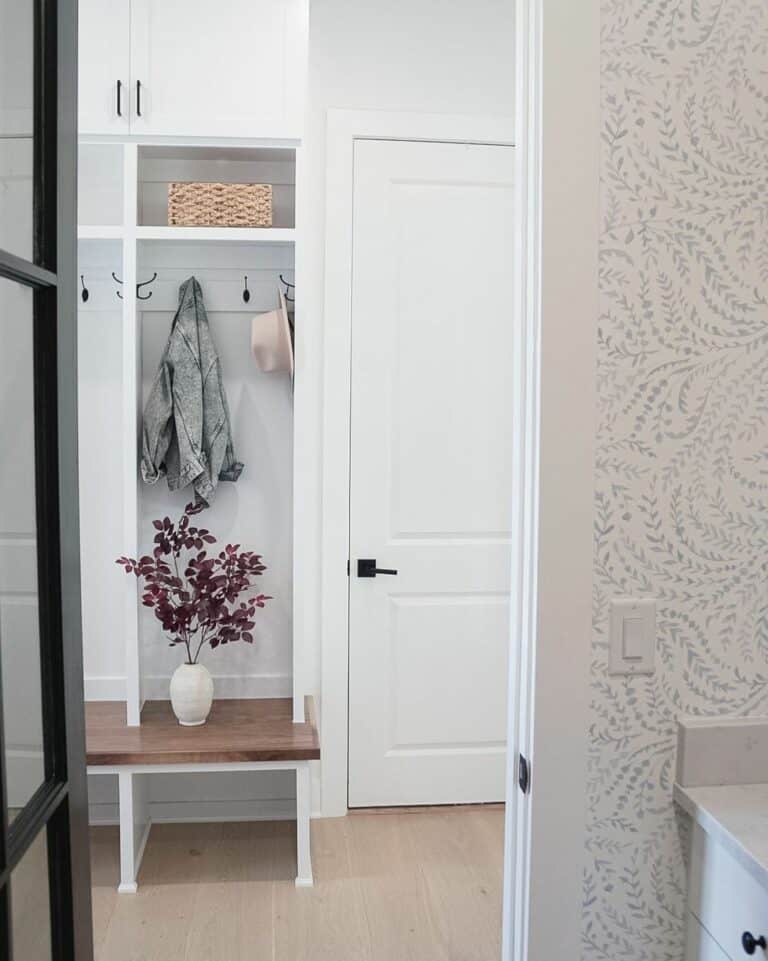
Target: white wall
[420,56]
[416,55]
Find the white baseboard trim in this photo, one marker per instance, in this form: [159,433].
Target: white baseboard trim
[104,688]
[155,687]
[225,686]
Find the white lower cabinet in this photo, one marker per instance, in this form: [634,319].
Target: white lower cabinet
[725,903]
[700,945]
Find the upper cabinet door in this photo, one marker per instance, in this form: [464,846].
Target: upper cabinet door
[218,68]
[104,68]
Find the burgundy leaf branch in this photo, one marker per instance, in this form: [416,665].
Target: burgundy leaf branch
[196,597]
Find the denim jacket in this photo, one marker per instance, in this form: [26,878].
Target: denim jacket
[187,434]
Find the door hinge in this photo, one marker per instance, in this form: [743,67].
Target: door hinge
[347,567]
[523,774]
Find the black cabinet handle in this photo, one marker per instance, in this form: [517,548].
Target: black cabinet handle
[366,567]
[750,943]
[119,98]
[138,98]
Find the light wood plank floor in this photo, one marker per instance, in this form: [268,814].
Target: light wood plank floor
[419,885]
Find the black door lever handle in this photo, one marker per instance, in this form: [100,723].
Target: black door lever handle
[366,567]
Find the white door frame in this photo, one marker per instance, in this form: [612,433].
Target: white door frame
[557,179]
[344,128]
[557,116]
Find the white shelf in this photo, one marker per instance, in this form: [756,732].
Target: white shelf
[249,235]
[197,235]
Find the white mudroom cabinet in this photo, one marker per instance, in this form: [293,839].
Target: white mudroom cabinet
[197,69]
[204,93]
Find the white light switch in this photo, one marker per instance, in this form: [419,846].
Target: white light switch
[633,638]
[632,646]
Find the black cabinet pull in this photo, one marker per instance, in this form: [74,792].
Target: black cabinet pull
[119,98]
[750,943]
[138,98]
[366,567]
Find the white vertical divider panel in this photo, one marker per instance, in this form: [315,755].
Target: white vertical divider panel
[135,824]
[297,28]
[301,426]
[131,413]
[304,877]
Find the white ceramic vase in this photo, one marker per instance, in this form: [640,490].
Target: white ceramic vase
[191,694]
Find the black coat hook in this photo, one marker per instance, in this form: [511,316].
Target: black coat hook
[288,287]
[85,293]
[138,286]
[246,292]
[144,284]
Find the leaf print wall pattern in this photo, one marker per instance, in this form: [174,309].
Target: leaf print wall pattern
[682,456]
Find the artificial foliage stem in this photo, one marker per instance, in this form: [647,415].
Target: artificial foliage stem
[202,605]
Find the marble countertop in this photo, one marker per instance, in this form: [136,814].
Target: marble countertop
[737,817]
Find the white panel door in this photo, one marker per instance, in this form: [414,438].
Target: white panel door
[431,472]
[233,68]
[103,67]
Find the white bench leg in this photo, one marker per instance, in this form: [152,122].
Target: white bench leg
[134,827]
[303,808]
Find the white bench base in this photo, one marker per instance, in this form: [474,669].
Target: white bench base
[135,821]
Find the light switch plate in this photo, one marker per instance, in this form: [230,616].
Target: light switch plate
[632,636]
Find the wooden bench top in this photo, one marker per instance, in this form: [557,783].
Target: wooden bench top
[236,730]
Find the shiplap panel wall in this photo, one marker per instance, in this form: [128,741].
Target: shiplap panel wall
[256,511]
[101,467]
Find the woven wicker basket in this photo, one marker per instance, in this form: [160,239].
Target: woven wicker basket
[219,205]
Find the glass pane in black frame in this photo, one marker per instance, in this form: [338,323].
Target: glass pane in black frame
[22,700]
[17,38]
[31,904]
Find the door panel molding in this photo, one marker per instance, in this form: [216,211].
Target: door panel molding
[430,450]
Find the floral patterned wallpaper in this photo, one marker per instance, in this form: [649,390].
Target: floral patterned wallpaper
[681,500]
